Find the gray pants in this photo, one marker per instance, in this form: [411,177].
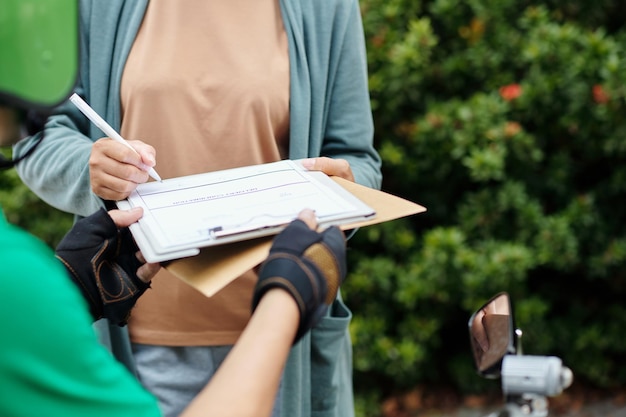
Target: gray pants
[175,375]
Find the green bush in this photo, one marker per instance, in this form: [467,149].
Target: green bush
[23,208]
[506,120]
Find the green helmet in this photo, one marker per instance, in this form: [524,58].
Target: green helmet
[38,52]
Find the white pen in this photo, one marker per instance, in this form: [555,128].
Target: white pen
[105,127]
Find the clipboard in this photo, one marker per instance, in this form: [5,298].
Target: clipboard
[184,214]
[217,266]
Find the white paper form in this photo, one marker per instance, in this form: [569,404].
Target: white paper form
[242,203]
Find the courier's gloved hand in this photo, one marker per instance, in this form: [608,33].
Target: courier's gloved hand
[309,265]
[102,261]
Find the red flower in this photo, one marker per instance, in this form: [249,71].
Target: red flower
[511,91]
[599,95]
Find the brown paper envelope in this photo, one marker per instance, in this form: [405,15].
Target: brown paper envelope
[217,266]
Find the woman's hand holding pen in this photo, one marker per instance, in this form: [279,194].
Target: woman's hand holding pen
[329,166]
[115,170]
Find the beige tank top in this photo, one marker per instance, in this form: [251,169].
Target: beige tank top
[206,84]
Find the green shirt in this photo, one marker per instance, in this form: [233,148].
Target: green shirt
[51,363]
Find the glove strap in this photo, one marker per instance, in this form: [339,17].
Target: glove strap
[302,282]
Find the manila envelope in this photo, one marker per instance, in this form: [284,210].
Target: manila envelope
[217,266]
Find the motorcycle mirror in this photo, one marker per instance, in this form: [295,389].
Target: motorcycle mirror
[492,335]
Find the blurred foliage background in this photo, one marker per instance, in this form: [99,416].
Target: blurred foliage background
[22,207]
[506,119]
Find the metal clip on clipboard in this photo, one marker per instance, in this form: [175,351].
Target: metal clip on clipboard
[221,232]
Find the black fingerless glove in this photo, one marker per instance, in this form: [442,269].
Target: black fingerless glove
[101,261]
[309,265]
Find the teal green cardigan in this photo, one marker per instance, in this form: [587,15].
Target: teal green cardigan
[330,115]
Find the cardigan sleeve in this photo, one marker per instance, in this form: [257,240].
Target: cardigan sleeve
[58,171]
[349,128]
[330,104]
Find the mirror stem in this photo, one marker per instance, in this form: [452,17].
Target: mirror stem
[518,342]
